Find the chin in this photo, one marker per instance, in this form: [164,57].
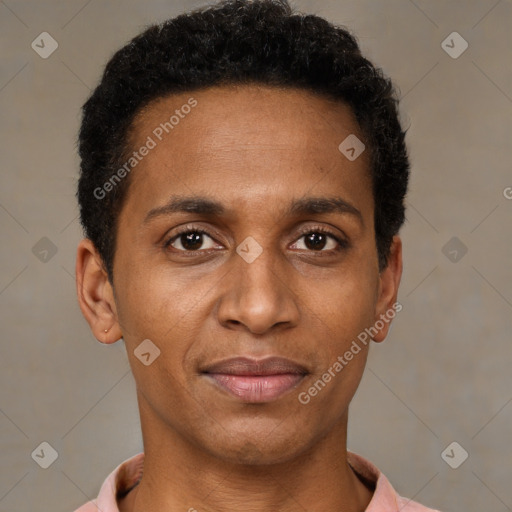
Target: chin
[258,449]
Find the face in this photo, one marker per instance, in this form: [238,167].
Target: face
[246,232]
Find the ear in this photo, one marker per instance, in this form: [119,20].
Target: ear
[95,294]
[389,281]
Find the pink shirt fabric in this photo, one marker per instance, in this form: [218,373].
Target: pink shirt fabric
[127,475]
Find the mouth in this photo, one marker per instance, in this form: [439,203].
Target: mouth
[256,381]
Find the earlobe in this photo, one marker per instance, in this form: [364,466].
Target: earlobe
[95,294]
[387,305]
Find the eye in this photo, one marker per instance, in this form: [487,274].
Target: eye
[316,239]
[190,240]
[321,240]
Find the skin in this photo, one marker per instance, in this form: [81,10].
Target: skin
[254,149]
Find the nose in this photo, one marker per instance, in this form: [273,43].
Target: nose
[258,296]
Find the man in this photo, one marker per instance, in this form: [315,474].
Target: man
[242,180]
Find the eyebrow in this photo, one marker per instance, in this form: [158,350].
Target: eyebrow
[205,206]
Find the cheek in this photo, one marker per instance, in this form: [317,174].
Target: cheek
[155,307]
[160,305]
[342,354]
[343,305]
[342,310]
[152,300]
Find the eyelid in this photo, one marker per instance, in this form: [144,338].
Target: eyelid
[322,229]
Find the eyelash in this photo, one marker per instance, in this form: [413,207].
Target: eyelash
[342,243]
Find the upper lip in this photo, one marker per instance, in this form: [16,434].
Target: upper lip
[250,366]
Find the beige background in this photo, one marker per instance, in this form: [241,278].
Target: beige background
[443,375]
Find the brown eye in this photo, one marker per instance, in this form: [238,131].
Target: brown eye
[320,241]
[192,240]
[315,241]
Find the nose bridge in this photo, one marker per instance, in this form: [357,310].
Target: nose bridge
[257,295]
[258,268]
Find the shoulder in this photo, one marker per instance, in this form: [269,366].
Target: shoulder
[384,495]
[119,483]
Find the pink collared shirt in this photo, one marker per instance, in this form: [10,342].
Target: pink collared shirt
[128,474]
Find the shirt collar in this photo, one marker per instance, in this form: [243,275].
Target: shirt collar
[128,474]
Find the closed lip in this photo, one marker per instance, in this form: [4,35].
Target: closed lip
[248,366]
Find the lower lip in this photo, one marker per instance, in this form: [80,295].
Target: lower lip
[257,388]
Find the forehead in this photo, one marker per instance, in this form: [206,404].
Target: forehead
[247,138]
[223,111]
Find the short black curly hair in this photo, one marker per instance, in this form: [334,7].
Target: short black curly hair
[238,42]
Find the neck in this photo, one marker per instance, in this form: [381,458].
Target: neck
[178,475]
